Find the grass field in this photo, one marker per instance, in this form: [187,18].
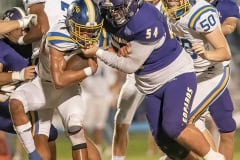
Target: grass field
[136,151]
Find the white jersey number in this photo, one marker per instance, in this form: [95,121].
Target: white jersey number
[64,6]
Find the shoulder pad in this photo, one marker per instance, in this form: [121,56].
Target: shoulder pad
[59,38]
[146,25]
[204,19]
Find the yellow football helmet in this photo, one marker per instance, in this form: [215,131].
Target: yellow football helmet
[84,22]
[175,9]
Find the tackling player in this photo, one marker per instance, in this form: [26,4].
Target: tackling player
[151,45]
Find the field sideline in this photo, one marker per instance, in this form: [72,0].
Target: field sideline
[136,151]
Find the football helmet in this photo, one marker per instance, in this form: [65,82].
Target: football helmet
[175,9]
[14,13]
[119,12]
[84,22]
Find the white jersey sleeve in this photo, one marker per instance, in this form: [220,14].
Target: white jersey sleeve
[56,10]
[58,37]
[28,3]
[203,19]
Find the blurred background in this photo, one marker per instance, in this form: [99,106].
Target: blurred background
[140,146]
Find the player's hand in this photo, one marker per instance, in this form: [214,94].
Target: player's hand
[110,49]
[29,73]
[125,50]
[198,49]
[92,62]
[26,73]
[14,36]
[90,51]
[27,20]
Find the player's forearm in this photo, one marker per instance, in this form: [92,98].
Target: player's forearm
[68,77]
[5,78]
[229,25]
[8,26]
[218,55]
[120,63]
[139,53]
[36,32]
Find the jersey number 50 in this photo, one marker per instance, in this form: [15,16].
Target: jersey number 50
[208,22]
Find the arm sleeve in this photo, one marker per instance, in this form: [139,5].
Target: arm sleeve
[139,53]
[228,8]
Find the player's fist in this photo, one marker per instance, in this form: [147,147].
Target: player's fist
[26,73]
[29,19]
[29,73]
[90,51]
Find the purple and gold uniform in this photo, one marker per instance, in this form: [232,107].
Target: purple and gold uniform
[14,61]
[163,71]
[11,61]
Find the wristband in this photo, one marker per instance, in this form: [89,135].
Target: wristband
[88,71]
[18,75]
[20,40]
[99,52]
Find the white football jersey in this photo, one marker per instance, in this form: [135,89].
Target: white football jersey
[202,18]
[56,10]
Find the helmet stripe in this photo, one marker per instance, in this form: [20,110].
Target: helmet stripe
[197,14]
[91,11]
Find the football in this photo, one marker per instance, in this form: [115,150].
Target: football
[77,62]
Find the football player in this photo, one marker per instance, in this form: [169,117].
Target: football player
[56,87]
[222,109]
[15,58]
[163,71]
[197,25]
[126,108]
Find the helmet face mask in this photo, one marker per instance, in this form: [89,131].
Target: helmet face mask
[84,35]
[84,23]
[119,12]
[175,9]
[118,15]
